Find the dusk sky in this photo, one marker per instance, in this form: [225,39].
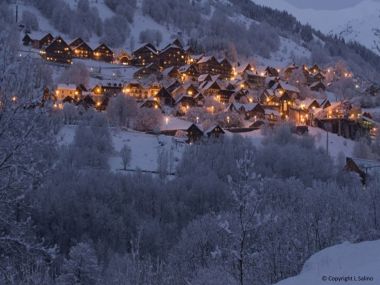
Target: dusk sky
[325,4]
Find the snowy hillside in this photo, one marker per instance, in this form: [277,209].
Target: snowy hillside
[354,263]
[359,23]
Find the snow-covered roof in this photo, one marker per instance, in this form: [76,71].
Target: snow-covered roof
[288,87]
[173,123]
[67,86]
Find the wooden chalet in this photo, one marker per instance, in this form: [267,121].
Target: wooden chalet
[171,72]
[68,90]
[225,69]
[215,132]
[254,79]
[172,55]
[188,89]
[165,98]
[103,53]
[173,86]
[87,102]
[211,88]
[208,65]
[318,86]
[144,55]
[271,72]
[148,70]
[80,49]
[251,110]
[45,40]
[204,77]
[289,70]
[58,51]
[194,133]
[112,88]
[199,99]
[188,70]
[225,95]
[150,103]
[135,89]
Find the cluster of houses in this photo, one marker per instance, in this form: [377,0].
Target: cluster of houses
[174,80]
[257,95]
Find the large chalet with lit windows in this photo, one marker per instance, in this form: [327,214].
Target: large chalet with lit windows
[173,55]
[58,51]
[103,53]
[81,49]
[144,55]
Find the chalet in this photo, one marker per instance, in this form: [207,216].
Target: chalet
[171,72]
[188,89]
[103,53]
[211,88]
[32,39]
[194,133]
[315,69]
[67,90]
[254,78]
[188,70]
[86,102]
[183,104]
[323,103]
[83,51]
[208,65]
[272,115]
[318,86]
[271,72]
[144,55]
[58,51]
[153,89]
[150,103]
[172,55]
[134,89]
[76,42]
[363,167]
[204,77]
[97,90]
[27,40]
[252,110]
[172,85]
[225,95]
[46,40]
[199,99]
[164,97]
[215,132]
[268,98]
[151,69]
[122,57]
[289,70]
[284,87]
[112,88]
[244,68]
[225,69]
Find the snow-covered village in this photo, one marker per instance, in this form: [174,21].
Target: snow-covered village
[189,142]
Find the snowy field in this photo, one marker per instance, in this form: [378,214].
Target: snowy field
[145,148]
[344,260]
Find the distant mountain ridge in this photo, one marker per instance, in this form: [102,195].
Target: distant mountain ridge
[359,23]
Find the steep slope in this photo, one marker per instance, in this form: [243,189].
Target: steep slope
[357,23]
[345,263]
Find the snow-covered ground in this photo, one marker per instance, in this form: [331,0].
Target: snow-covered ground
[145,148]
[359,22]
[341,264]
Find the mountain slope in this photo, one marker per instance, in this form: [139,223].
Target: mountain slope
[357,23]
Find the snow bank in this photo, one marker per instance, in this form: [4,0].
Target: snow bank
[346,264]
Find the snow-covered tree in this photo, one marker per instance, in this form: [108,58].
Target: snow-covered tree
[125,154]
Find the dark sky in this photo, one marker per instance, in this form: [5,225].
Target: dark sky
[325,4]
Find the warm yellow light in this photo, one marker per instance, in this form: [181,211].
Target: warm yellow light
[98,104]
[167,120]
[155,107]
[190,92]
[14,98]
[250,100]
